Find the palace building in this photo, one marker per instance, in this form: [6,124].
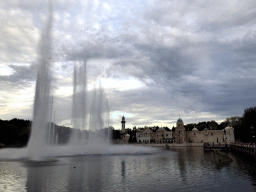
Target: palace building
[179,134]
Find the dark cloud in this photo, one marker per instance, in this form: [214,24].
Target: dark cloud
[191,58]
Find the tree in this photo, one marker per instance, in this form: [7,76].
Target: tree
[201,126]
[213,125]
[222,125]
[116,135]
[232,121]
[190,126]
[248,125]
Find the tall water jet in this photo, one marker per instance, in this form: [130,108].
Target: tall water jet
[79,103]
[99,115]
[41,118]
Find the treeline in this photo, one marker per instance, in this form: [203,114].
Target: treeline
[15,132]
[244,126]
[211,125]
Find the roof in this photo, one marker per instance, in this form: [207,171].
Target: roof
[160,129]
[179,120]
[228,127]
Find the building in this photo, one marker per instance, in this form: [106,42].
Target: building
[205,136]
[123,124]
[123,132]
[180,134]
[144,135]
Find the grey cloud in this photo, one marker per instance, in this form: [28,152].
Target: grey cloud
[22,74]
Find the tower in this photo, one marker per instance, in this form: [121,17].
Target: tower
[180,133]
[123,124]
[180,123]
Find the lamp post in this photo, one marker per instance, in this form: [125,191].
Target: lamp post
[253,133]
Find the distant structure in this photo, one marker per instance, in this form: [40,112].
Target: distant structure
[180,132]
[180,135]
[123,133]
[213,136]
[123,124]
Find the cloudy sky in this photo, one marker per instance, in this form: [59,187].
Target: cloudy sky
[156,59]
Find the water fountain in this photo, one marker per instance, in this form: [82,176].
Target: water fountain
[41,143]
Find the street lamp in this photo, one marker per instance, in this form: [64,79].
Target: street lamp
[253,133]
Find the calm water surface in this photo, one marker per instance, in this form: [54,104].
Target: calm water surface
[179,169]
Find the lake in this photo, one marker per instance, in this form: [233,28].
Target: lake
[177,169]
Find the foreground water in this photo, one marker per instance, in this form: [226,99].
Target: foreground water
[179,169]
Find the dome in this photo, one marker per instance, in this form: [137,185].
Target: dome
[127,135]
[194,129]
[228,128]
[160,129]
[179,120]
[123,119]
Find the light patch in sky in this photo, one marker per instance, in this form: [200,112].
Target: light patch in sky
[115,115]
[64,91]
[5,70]
[19,101]
[122,84]
[106,5]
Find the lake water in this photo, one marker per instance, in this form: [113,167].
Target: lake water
[178,169]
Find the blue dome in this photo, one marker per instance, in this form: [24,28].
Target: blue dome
[179,120]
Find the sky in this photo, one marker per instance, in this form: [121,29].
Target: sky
[157,60]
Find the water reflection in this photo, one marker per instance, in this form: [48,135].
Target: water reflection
[180,169]
[44,176]
[13,177]
[123,168]
[182,165]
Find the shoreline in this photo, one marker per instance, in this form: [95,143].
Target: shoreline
[172,145]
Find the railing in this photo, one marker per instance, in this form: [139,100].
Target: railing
[212,146]
[245,148]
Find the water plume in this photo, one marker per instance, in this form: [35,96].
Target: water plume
[79,103]
[42,96]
